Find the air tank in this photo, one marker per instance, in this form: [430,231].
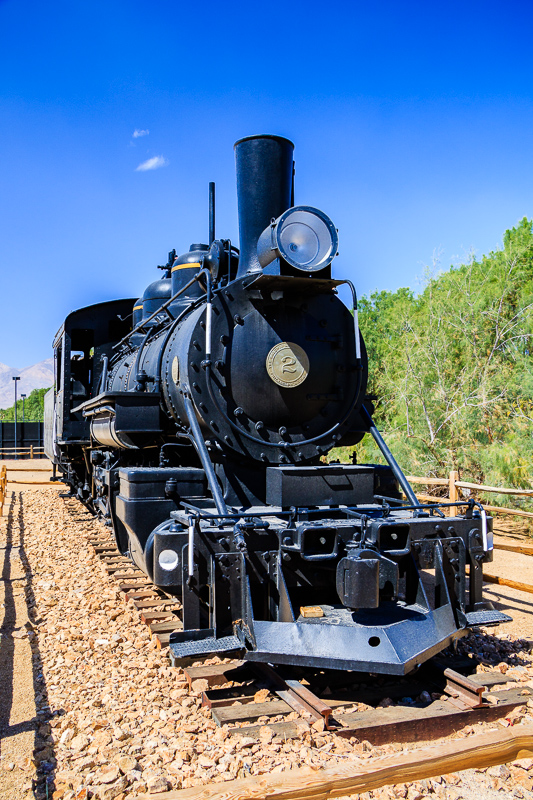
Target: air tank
[155,295]
[183,269]
[137,312]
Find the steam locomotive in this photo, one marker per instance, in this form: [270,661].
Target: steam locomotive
[194,421]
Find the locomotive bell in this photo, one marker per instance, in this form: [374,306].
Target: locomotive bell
[302,236]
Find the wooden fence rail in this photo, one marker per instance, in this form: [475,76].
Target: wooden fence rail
[353,778]
[465,485]
[453,483]
[3,484]
[9,452]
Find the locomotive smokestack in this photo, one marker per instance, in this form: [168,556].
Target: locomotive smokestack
[264,190]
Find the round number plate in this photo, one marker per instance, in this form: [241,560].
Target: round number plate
[287,364]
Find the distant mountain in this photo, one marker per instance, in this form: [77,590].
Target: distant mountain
[38,376]
[4,370]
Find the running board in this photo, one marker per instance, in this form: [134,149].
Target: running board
[486,617]
[187,646]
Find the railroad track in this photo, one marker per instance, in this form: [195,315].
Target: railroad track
[457,701]
[247,696]
[158,610]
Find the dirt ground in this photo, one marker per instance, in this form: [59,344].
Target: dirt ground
[17,696]
[514,567]
[89,708]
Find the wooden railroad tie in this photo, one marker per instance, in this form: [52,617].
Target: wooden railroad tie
[129,574]
[157,601]
[217,674]
[135,594]
[287,695]
[137,587]
[166,627]
[379,725]
[157,616]
[124,570]
[160,631]
[130,586]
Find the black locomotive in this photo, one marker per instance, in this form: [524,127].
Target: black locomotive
[195,425]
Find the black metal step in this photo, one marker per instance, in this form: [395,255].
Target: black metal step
[197,649]
[486,617]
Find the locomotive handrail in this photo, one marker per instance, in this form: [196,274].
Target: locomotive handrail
[91,412]
[280,513]
[142,345]
[362,513]
[355,318]
[162,307]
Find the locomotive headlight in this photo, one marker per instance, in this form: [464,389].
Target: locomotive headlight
[304,237]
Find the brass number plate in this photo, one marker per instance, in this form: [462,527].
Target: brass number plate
[287,364]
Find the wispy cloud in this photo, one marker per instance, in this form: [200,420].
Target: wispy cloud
[138,132]
[152,163]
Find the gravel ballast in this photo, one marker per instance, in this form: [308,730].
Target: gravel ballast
[105,716]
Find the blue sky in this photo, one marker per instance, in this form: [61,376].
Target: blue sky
[412,123]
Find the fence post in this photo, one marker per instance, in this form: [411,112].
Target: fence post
[31,451]
[452,491]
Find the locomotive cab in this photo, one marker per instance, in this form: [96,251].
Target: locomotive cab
[82,343]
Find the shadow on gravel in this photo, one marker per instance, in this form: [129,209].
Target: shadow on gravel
[43,752]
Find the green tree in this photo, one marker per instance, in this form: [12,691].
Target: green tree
[33,408]
[451,367]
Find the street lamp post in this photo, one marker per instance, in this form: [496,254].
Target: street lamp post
[23,398]
[16,378]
